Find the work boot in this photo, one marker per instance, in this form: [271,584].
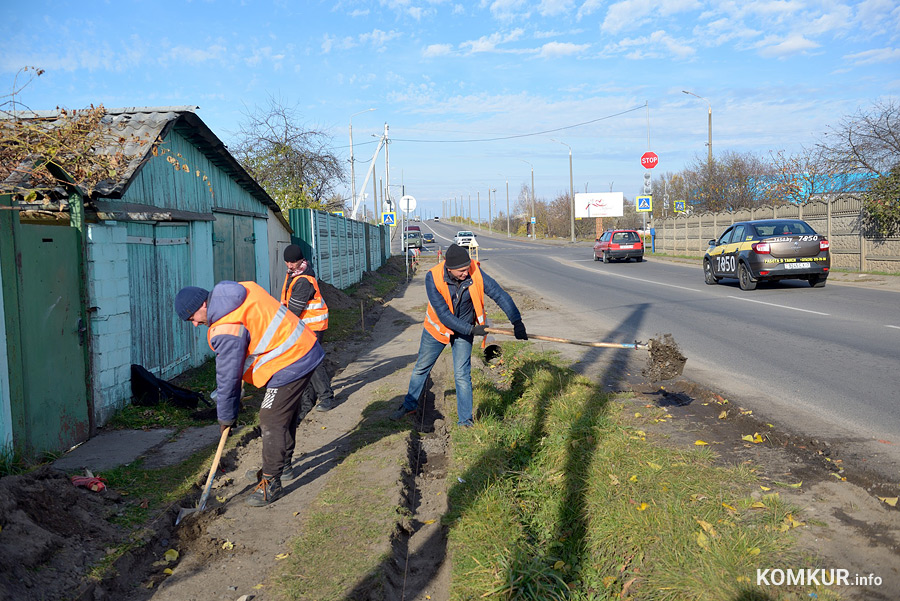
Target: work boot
[291,472]
[326,405]
[268,489]
[401,413]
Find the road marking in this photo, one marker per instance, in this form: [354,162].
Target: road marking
[645,281]
[750,300]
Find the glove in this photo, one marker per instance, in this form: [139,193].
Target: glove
[478,330]
[519,329]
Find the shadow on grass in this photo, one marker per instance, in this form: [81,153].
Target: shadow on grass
[528,566]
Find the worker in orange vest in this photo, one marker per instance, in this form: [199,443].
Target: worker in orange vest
[258,341]
[301,295]
[455,315]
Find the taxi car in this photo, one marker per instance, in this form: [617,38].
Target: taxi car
[464,238]
[619,244]
[768,250]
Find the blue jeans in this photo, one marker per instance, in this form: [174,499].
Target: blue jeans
[429,351]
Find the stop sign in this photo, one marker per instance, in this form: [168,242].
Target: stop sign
[649,160]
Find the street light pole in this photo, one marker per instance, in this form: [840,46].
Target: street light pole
[532,197]
[352,170]
[709,142]
[508,235]
[571,190]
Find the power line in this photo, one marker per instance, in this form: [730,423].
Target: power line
[509,137]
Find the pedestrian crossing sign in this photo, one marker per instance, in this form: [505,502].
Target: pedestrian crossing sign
[679,206]
[389,218]
[643,203]
[338,213]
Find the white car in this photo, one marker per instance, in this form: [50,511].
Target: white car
[464,238]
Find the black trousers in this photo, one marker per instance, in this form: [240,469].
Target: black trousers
[278,419]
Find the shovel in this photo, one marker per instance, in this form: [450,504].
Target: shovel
[185,511]
[665,362]
[635,345]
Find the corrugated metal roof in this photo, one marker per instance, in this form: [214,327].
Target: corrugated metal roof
[140,127]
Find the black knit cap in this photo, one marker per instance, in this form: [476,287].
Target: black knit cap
[293,253]
[457,257]
[189,300]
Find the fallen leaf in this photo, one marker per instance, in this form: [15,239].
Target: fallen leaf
[259,586]
[613,480]
[707,527]
[637,414]
[727,506]
[797,485]
[169,571]
[892,501]
[559,564]
[702,540]
[220,499]
[171,555]
[723,415]
[608,581]
[746,412]
[753,551]
[764,487]
[281,556]
[758,505]
[701,443]
[145,503]
[654,466]
[228,545]
[428,521]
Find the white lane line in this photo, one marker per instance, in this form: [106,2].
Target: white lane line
[750,300]
[645,281]
[895,327]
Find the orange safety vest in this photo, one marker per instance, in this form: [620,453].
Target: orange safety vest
[277,337]
[315,315]
[476,290]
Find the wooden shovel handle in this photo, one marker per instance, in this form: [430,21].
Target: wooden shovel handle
[215,466]
[505,332]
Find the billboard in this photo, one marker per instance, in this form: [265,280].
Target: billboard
[598,204]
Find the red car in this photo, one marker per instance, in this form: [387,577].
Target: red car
[622,245]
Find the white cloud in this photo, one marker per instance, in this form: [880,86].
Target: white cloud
[777,47]
[558,49]
[632,14]
[658,44]
[589,7]
[360,13]
[876,55]
[433,50]
[196,55]
[490,43]
[552,8]
[378,38]
[506,10]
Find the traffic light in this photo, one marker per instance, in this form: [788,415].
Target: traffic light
[648,186]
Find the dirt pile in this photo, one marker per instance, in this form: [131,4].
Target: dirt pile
[52,533]
[666,361]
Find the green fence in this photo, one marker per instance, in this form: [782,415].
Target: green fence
[340,249]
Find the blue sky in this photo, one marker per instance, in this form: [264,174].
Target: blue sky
[473,92]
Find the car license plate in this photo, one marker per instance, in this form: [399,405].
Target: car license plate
[796,265]
[626,246]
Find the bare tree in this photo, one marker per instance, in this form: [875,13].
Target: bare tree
[867,141]
[293,163]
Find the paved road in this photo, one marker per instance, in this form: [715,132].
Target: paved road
[824,360]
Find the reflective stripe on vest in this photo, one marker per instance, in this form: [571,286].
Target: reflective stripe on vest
[433,324]
[315,314]
[277,337]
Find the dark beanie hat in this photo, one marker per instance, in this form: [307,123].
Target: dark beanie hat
[457,257]
[188,300]
[293,253]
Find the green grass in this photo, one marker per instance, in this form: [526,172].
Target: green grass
[560,496]
[346,532]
